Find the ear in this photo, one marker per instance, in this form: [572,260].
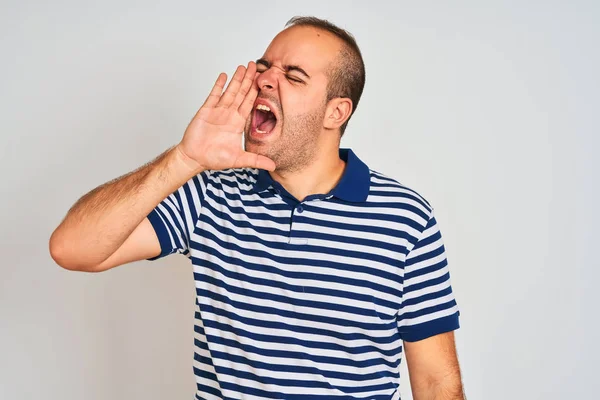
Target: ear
[338,111]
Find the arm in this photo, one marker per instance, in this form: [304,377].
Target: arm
[433,368]
[108,226]
[113,217]
[428,317]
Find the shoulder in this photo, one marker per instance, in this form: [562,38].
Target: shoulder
[388,190]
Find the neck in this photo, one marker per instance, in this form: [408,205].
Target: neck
[319,177]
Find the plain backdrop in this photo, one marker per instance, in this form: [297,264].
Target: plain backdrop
[489,109]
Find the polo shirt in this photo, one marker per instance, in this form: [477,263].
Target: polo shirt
[312,299]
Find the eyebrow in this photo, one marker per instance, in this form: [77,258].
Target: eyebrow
[287,68]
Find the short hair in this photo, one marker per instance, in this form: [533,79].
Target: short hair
[347,77]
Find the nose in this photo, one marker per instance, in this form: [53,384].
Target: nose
[267,80]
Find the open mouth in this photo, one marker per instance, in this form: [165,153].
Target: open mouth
[263,120]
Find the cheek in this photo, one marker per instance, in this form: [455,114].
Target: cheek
[295,102]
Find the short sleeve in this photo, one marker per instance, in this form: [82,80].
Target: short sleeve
[428,304]
[175,217]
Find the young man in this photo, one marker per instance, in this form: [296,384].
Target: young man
[312,271]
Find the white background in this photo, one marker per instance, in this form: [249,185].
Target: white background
[489,109]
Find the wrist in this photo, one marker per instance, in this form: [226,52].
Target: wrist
[190,165]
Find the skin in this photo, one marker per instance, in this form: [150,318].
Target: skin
[108,226]
[433,368]
[304,144]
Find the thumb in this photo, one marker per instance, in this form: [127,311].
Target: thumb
[252,160]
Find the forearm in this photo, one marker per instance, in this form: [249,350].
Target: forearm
[100,221]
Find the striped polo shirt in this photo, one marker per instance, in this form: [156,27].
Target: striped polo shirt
[306,300]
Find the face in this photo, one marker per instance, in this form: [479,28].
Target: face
[292,84]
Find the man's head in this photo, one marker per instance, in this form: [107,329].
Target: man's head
[311,78]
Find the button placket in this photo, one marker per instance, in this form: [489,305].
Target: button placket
[298,209]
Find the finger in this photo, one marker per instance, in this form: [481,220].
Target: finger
[233,87]
[246,84]
[215,93]
[252,160]
[248,103]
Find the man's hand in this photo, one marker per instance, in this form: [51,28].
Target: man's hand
[433,368]
[108,226]
[212,140]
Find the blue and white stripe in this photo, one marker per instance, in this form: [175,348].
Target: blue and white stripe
[312,299]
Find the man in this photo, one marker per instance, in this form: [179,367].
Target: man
[310,278]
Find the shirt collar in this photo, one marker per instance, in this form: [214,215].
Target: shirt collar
[353,186]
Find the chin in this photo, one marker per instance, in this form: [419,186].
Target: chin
[253,146]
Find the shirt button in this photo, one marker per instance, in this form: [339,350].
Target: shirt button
[299,209]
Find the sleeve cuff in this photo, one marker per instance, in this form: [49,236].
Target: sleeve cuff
[162,234]
[432,328]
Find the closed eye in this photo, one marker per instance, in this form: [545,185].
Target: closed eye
[291,78]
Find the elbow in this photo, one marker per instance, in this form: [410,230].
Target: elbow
[57,252]
[58,249]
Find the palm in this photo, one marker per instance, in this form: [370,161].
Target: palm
[213,137]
